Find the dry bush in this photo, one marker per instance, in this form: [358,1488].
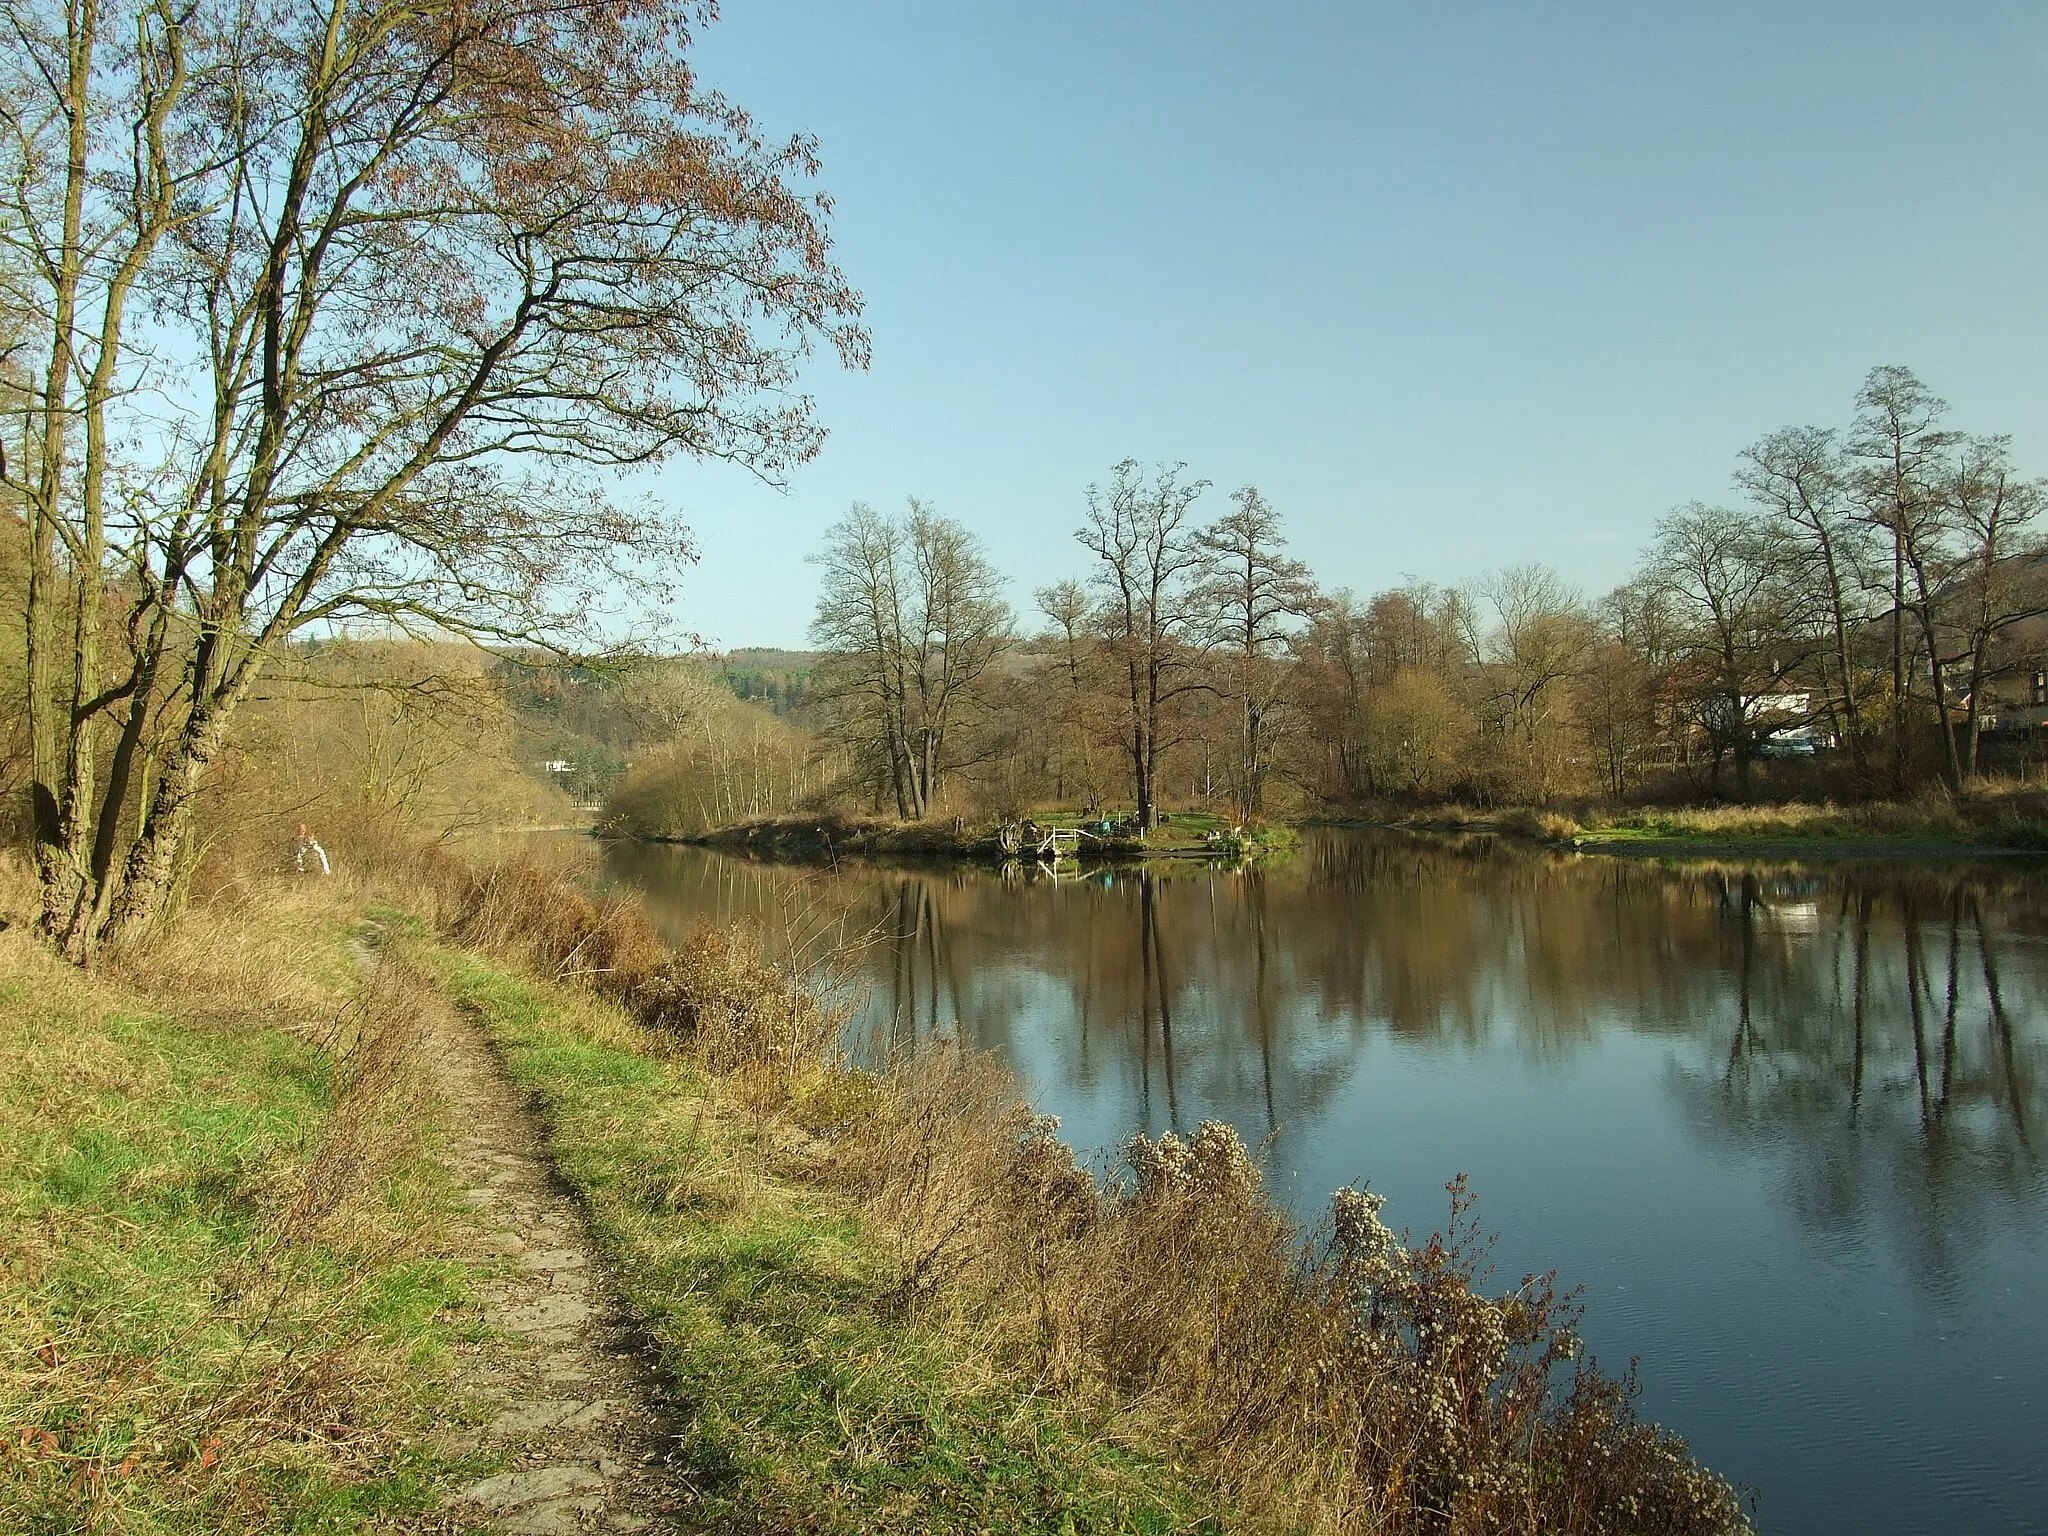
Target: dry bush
[1343,1383]
[719,995]
[1546,826]
[930,1155]
[737,1009]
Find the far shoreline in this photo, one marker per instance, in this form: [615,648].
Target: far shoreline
[828,840]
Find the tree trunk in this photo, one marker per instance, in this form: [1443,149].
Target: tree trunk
[1900,676]
[1971,766]
[1852,725]
[60,877]
[152,864]
[1923,612]
[1249,767]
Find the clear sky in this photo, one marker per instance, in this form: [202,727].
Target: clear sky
[1458,285]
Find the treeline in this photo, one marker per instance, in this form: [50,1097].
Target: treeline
[1869,604]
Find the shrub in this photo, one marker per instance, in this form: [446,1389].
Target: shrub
[1333,1383]
[1547,826]
[718,995]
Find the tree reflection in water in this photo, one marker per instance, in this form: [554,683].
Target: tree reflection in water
[1250,994]
[1914,1094]
[1783,1119]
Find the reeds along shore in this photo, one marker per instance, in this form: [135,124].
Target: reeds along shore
[1341,1379]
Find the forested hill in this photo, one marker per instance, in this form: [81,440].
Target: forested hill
[783,680]
[583,725]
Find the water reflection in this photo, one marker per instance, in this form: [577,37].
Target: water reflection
[1783,1122]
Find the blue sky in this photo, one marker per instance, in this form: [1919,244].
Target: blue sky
[1458,285]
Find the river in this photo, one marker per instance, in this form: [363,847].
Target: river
[1783,1124]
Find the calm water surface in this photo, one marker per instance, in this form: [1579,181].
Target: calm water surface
[1784,1125]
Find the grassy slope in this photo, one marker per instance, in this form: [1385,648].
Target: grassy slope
[196,1333]
[812,1403]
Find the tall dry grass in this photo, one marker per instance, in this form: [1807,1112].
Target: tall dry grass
[1341,1379]
[2009,813]
[722,996]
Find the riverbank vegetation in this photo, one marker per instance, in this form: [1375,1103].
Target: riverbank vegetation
[827,837]
[1992,814]
[882,1297]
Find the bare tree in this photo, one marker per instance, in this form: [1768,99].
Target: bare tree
[1723,574]
[1148,560]
[1253,596]
[1333,655]
[912,615]
[1798,474]
[1998,578]
[860,622]
[1525,661]
[414,274]
[1070,642]
[1386,686]
[1629,689]
[961,628]
[1902,452]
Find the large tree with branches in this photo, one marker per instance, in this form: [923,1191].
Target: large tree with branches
[911,616]
[1150,619]
[1254,597]
[345,312]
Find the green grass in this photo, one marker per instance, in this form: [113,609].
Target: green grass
[1907,828]
[173,1356]
[808,1400]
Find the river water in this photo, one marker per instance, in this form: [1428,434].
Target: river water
[1784,1125]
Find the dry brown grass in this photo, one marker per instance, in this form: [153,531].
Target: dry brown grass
[1996,812]
[721,997]
[1545,826]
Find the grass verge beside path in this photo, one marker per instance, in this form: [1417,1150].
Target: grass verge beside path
[225,1303]
[814,1403]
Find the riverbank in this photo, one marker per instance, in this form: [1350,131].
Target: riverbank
[1999,823]
[266,1263]
[822,840]
[2003,821]
[876,1301]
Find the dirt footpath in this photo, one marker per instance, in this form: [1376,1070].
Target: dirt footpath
[569,1382]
